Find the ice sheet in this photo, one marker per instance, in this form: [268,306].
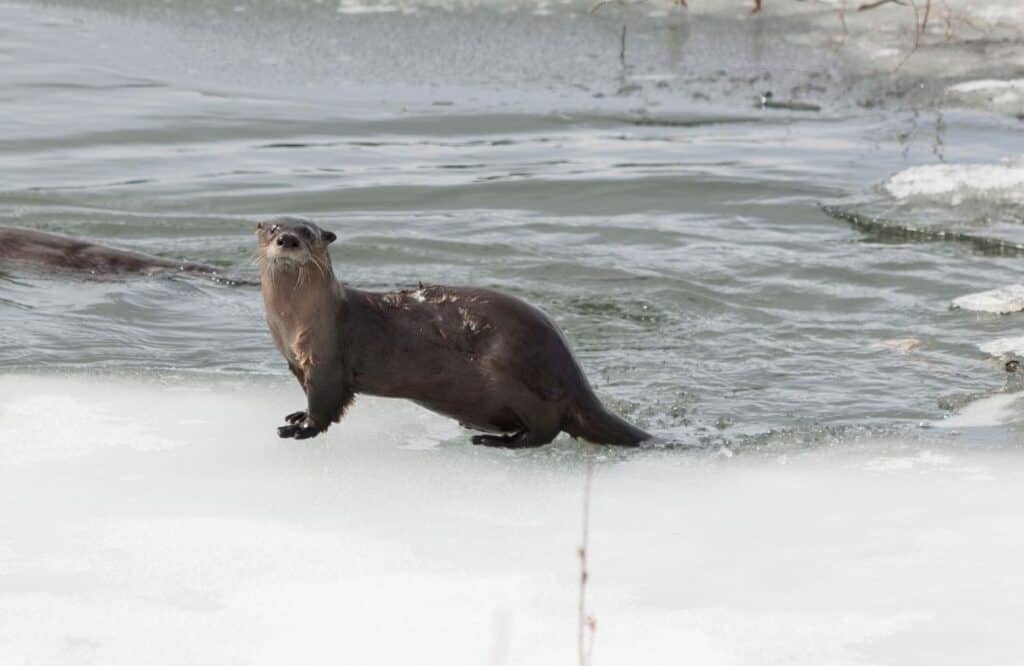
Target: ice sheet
[954,183]
[159,520]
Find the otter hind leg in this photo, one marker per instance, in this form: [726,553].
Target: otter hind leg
[493,440]
[524,439]
[295,417]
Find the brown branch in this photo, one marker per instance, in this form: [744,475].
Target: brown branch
[878,3]
[841,13]
[927,13]
[920,25]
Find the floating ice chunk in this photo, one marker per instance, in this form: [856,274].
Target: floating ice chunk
[998,301]
[953,183]
[900,345]
[1003,96]
[1003,346]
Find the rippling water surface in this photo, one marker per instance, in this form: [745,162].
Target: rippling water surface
[668,225]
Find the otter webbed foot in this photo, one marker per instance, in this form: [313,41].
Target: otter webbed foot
[297,431]
[295,417]
[519,440]
[489,440]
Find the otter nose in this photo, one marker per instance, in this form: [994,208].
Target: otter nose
[287,240]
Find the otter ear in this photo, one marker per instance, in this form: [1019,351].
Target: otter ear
[329,237]
[259,226]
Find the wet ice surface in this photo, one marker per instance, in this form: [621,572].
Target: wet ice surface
[843,484]
[133,534]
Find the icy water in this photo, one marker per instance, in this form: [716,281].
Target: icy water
[840,468]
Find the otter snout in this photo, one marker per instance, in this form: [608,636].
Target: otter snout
[293,242]
[288,241]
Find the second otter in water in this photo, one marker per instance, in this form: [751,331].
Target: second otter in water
[29,247]
[489,360]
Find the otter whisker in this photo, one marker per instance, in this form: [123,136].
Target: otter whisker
[319,263]
[300,277]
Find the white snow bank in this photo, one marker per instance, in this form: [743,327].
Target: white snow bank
[163,522]
[955,183]
[997,301]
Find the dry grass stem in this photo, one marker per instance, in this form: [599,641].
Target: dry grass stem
[586,624]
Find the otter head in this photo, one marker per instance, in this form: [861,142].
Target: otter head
[293,242]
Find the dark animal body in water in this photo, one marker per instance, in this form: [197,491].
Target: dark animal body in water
[39,248]
[489,360]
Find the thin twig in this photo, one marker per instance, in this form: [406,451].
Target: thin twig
[841,40]
[924,21]
[920,25]
[878,3]
[917,25]
[599,4]
[622,46]
[585,621]
[947,21]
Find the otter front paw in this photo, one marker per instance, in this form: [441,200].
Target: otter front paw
[295,417]
[297,431]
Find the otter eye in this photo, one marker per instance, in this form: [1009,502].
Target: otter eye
[306,233]
[275,228]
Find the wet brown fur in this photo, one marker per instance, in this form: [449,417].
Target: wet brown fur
[28,247]
[487,359]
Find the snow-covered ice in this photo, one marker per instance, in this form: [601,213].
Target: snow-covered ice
[952,184]
[161,516]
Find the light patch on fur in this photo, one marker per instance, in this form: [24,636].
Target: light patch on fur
[473,323]
[302,351]
[438,295]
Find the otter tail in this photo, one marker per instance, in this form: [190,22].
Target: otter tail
[590,420]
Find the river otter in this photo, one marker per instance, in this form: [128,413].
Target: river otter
[487,359]
[31,247]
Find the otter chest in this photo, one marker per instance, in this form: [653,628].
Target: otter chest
[297,345]
[301,350]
